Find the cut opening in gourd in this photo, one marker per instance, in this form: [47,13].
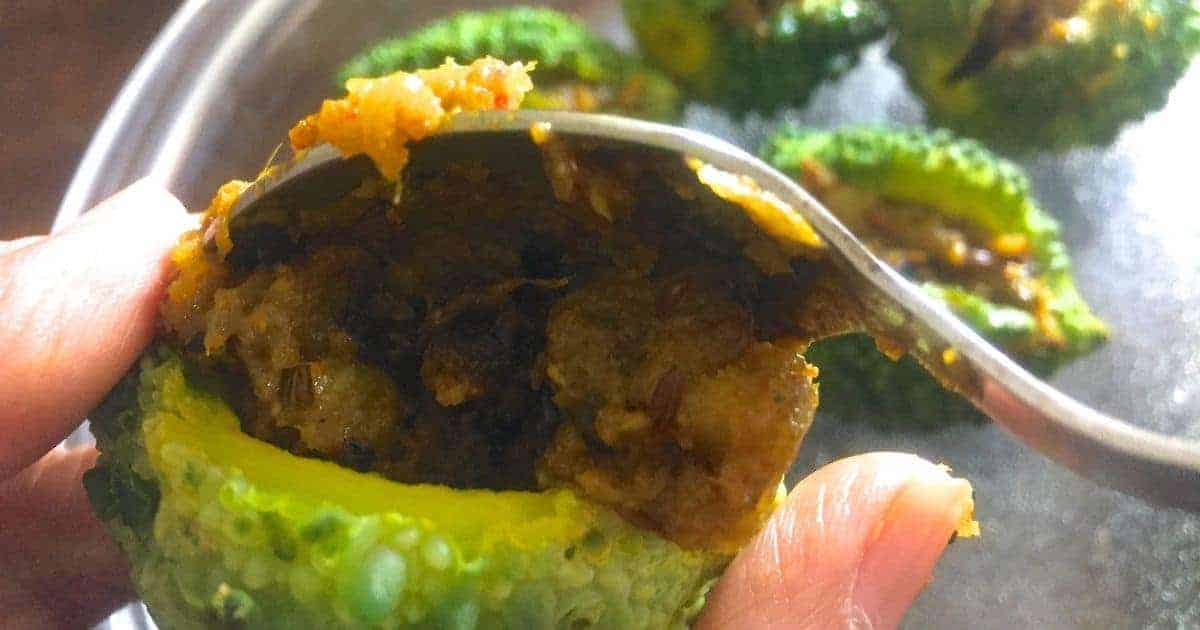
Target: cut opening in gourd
[936,245]
[518,318]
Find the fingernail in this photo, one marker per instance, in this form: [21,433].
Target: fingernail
[907,543]
[140,201]
[952,497]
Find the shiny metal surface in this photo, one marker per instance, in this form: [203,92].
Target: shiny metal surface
[1057,551]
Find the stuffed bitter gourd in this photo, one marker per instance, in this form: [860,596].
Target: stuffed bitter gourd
[542,389]
[751,56]
[576,68]
[962,222]
[1026,74]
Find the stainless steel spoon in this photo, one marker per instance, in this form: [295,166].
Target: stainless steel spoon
[1109,451]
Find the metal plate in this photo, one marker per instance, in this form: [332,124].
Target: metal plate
[217,92]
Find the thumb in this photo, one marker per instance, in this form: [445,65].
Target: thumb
[58,567]
[852,546]
[76,308]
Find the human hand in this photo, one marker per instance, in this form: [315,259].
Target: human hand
[852,546]
[76,310]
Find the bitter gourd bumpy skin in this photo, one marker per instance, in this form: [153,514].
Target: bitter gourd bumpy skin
[961,221]
[225,530]
[576,68]
[557,389]
[747,56]
[1043,74]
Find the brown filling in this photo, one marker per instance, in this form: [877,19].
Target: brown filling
[1010,25]
[928,246]
[601,327]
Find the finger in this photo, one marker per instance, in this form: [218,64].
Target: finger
[76,309]
[58,568]
[14,245]
[852,546]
